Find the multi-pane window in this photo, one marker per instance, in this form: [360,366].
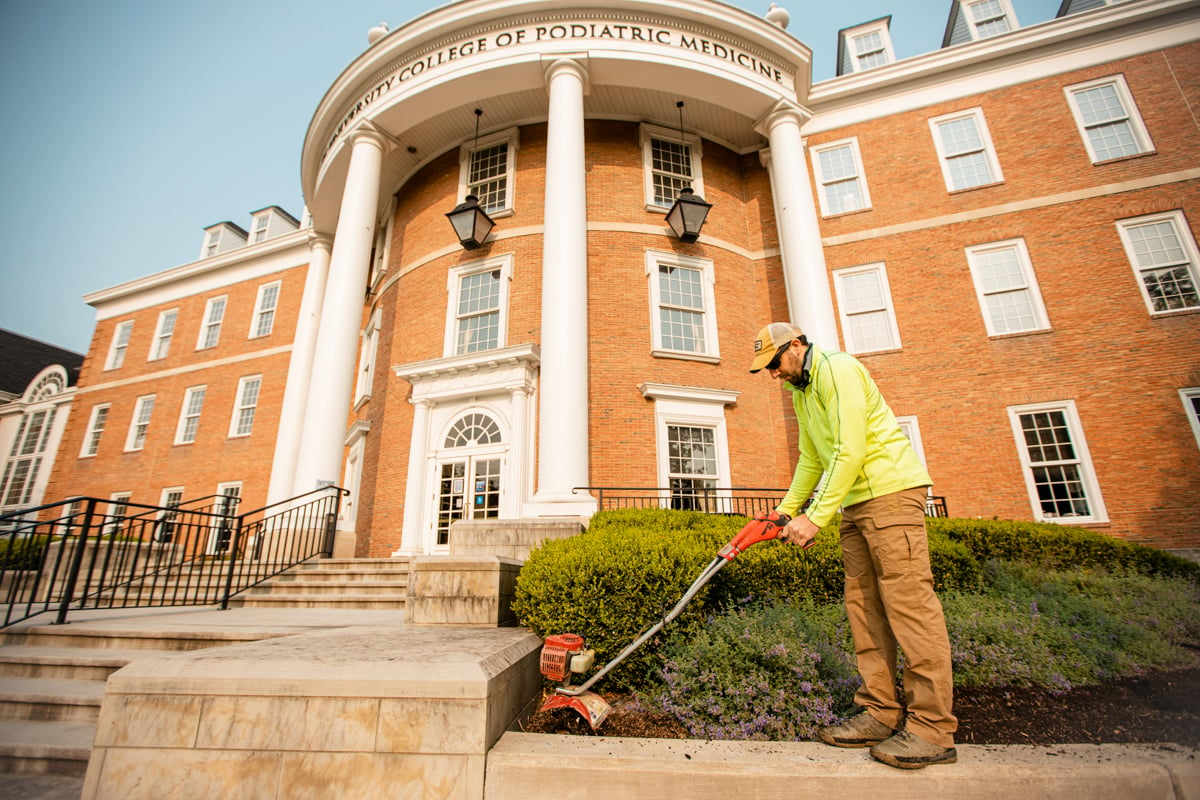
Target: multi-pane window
[671,164]
[1191,407]
[213,244]
[163,334]
[189,415]
[120,345]
[225,507]
[486,170]
[841,178]
[264,310]
[869,50]
[865,308]
[242,423]
[210,331]
[95,428]
[141,423]
[1164,257]
[477,313]
[118,507]
[164,528]
[964,150]
[1007,288]
[682,306]
[366,358]
[988,18]
[691,465]
[1108,119]
[259,233]
[1058,471]
[25,458]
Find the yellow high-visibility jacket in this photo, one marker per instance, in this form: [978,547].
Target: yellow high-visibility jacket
[847,433]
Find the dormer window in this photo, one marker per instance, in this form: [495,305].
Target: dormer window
[212,244]
[865,46]
[972,20]
[259,232]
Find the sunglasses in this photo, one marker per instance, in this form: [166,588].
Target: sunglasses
[773,364]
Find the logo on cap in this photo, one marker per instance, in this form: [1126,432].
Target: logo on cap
[757,345]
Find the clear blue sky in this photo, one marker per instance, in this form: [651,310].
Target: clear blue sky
[130,125]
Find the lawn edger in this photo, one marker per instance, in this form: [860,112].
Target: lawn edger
[566,654]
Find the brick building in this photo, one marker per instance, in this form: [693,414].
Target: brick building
[1003,230]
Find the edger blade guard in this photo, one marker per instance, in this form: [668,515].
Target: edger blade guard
[589,705]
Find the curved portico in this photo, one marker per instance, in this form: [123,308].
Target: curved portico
[410,98]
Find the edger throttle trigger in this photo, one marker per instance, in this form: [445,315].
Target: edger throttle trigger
[760,529]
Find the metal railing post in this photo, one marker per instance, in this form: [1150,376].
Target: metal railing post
[76,562]
[232,555]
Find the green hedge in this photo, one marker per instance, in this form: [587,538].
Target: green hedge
[21,553]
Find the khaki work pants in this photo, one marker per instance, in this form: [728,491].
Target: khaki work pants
[890,601]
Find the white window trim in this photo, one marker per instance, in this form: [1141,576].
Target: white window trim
[712,352]
[989,149]
[133,422]
[1087,472]
[888,307]
[648,132]
[368,354]
[118,505]
[512,137]
[259,310]
[1041,319]
[260,226]
[850,34]
[183,414]
[690,406]
[208,322]
[356,440]
[383,245]
[504,263]
[972,25]
[92,432]
[1183,232]
[1136,124]
[117,346]
[912,431]
[238,406]
[160,335]
[1187,395]
[860,175]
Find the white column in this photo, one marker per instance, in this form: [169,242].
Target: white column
[414,490]
[332,382]
[563,415]
[300,367]
[805,275]
[520,454]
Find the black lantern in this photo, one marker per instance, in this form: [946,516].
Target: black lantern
[687,216]
[471,223]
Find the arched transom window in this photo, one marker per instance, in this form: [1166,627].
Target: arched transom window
[472,430]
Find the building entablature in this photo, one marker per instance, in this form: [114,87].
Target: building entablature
[418,86]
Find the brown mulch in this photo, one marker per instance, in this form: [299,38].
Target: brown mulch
[1154,708]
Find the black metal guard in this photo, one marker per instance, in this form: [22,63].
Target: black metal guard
[70,555]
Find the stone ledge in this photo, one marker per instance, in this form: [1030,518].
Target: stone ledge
[524,766]
[462,590]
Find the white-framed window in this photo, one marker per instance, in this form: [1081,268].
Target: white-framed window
[140,423]
[264,310]
[356,440]
[683,313]
[670,163]
[25,458]
[163,333]
[865,308]
[366,357]
[866,46]
[225,508]
[1058,469]
[1007,287]
[1108,119]
[95,429]
[964,149]
[1162,252]
[477,313]
[214,315]
[189,415]
[692,445]
[118,507]
[912,431]
[212,245]
[1191,407]
[258,231]
[987,18]
[242,423]
[164,528]
[487,169]
[840,175]
[380,252]
[120,345]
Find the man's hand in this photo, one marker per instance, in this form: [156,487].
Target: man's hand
[800,530]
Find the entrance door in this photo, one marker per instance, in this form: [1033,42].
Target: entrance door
[468,488]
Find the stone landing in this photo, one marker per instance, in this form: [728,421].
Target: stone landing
[353,712]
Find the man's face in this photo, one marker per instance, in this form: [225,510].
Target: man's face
[789,364]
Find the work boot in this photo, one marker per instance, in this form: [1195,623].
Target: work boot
[858,731]
[909,751]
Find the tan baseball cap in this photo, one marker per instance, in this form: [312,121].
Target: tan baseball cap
[769,341]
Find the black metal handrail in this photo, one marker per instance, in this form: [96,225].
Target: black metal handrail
[744,502]
[78,557]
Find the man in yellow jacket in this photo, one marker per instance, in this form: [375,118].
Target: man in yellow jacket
[850,436]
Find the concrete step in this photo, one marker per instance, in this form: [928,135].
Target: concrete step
[59,748]
[49,699]
[71,663]
[382,564]
[299,600]
[316,576]
[96,638]
[390,589]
